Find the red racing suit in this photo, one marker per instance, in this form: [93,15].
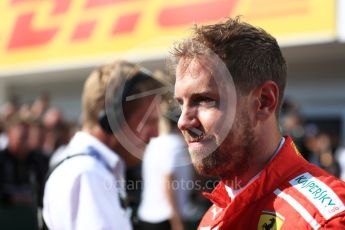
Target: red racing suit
[289,193]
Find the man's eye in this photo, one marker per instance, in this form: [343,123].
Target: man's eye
[206,101]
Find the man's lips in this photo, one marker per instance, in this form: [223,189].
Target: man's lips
[198,139]
[195,140]
[196,136]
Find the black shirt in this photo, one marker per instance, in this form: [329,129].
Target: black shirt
[22,177]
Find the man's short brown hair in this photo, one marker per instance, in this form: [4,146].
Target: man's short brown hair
[251,55]
[116,73]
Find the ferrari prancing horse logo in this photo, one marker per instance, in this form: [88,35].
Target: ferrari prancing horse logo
[270,220]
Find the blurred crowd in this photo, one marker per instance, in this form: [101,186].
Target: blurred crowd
[45,128]
[32,135]
[316,145]
[29,135]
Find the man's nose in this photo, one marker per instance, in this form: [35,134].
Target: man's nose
[188,119]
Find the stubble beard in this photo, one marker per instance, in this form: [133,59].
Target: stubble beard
[232,157]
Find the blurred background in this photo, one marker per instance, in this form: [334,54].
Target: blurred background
[48,48]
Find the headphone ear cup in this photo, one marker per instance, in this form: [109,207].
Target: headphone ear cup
[104,123]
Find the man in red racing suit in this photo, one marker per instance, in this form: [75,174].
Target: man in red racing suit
[230,81]
[289,193]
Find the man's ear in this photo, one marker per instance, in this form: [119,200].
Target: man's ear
[266,100]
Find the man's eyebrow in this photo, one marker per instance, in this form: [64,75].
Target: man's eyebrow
[199,94]
[205,91]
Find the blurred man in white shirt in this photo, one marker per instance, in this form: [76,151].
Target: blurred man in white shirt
[86,189]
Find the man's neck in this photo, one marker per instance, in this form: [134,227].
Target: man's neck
[256,165]
[97,133]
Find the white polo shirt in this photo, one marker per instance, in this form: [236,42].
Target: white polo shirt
[165,155]
[82,193]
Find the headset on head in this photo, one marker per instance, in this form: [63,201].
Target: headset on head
[129,85]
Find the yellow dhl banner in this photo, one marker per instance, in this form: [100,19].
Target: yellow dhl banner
[55,32]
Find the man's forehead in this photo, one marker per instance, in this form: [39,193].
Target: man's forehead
[202,75]
[202,69]
[193,66]
[195,80]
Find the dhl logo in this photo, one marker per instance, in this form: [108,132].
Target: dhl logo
[54,13]
[52,32]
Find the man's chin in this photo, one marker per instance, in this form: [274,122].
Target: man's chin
[202,158]
[200,151]
[203,168]
[210,166]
